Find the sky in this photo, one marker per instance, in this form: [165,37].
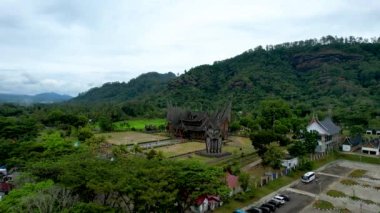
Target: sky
[70,46]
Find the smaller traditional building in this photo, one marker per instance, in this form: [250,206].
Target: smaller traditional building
[206,203]
[233,183]
[329,134]
[351,144]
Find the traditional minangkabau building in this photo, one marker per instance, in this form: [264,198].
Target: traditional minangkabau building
[328,133]
[198,125]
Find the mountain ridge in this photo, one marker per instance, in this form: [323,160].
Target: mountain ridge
[48,97]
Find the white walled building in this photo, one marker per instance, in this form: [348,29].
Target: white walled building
[372,147]
[329,133]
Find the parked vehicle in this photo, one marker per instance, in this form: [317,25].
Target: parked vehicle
[265,209]
[308,177]
[239,211]
[277,197]
[281,202]
[286,197]
[276,203]
[254,210]
[269,206]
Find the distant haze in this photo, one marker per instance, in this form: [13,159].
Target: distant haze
[70,46]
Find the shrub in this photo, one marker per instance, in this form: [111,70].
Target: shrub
[306,166]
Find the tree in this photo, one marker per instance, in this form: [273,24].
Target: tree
[195,179]
[272,110]
[84,134]
[297,149]
[244,180]
[311,141]
[261,138]
[38,197]
[105,124]
[273,156]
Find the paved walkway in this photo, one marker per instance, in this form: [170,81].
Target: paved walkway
[251,165]
[328,174]
[301,192]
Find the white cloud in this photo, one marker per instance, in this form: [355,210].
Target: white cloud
[69,46]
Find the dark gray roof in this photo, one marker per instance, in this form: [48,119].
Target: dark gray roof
[353,141]
[329,126]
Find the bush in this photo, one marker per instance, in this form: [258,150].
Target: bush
[84,134]
[306,166]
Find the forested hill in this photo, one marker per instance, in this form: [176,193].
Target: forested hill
[331,75]
[144,85]
[307,72]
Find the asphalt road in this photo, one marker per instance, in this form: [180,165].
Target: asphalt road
[296,204]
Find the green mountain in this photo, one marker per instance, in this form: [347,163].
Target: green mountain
[333,75]
[31,99]
[142,86]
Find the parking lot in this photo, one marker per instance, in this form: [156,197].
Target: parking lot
[366,191]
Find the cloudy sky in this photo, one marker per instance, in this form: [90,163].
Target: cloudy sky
[69,46]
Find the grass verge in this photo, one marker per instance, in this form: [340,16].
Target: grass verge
[360,158]
[357,173]
[335,193]
[348,182]
[322,204]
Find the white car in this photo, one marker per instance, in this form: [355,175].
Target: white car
[279,199]
[308,177]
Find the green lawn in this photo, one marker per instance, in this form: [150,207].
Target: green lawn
[181,148]
[138,124]
[359,158]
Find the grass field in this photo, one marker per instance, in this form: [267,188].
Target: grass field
[138,124]
[182,148]
[123,138]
